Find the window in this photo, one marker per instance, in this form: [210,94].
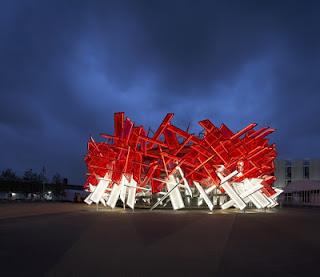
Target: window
[306,172]
[288,172]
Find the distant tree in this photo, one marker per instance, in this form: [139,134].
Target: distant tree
[9,181]
[30,176]
[32,181]
[58,185]
[56,179]
[42,176]
[8,175]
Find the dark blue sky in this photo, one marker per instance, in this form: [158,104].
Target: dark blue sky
[67,66]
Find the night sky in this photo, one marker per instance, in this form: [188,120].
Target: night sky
[67,66]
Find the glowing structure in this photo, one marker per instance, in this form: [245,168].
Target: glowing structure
[237,167]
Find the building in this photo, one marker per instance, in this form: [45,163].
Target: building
[301,193]
[300,180]
[288,171]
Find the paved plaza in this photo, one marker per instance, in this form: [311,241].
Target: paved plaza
[65,239]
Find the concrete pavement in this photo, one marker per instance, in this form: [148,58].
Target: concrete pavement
[64,239]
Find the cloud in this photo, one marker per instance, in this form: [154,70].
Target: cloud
[67,66]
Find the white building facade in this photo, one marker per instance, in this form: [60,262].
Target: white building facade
[300,180]
[288,171]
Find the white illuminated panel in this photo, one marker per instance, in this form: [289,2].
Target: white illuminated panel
[115,193]
[210,189]
[204,195]
[233,195]
[241,193]
[263,201]
[175,195]
[123,190]
[100,189]
[88,200]
[103,202]
[227,204]
[185,182]
[132,193]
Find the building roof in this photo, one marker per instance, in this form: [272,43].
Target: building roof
[303,185]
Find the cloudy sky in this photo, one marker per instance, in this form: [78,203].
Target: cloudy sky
[67,66]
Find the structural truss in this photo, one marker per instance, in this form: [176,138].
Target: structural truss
[219,168]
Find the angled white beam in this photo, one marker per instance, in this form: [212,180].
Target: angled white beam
[273,203]
[185,182]
[123,190]
[88,200]
[245,190]
[103,201]
[233,195]
[248,186]
[261,199]
[278,192]
[273,198]
[229,190]
[228,177]
[115,193]
[100,189]
[91,189]
[204,195]
[251,190]
[165,195]
[132,188]
[210,189]
[227,204]
[175,195]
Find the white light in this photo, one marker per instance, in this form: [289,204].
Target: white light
[241,193]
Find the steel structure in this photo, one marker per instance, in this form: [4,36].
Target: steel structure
[174,164]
